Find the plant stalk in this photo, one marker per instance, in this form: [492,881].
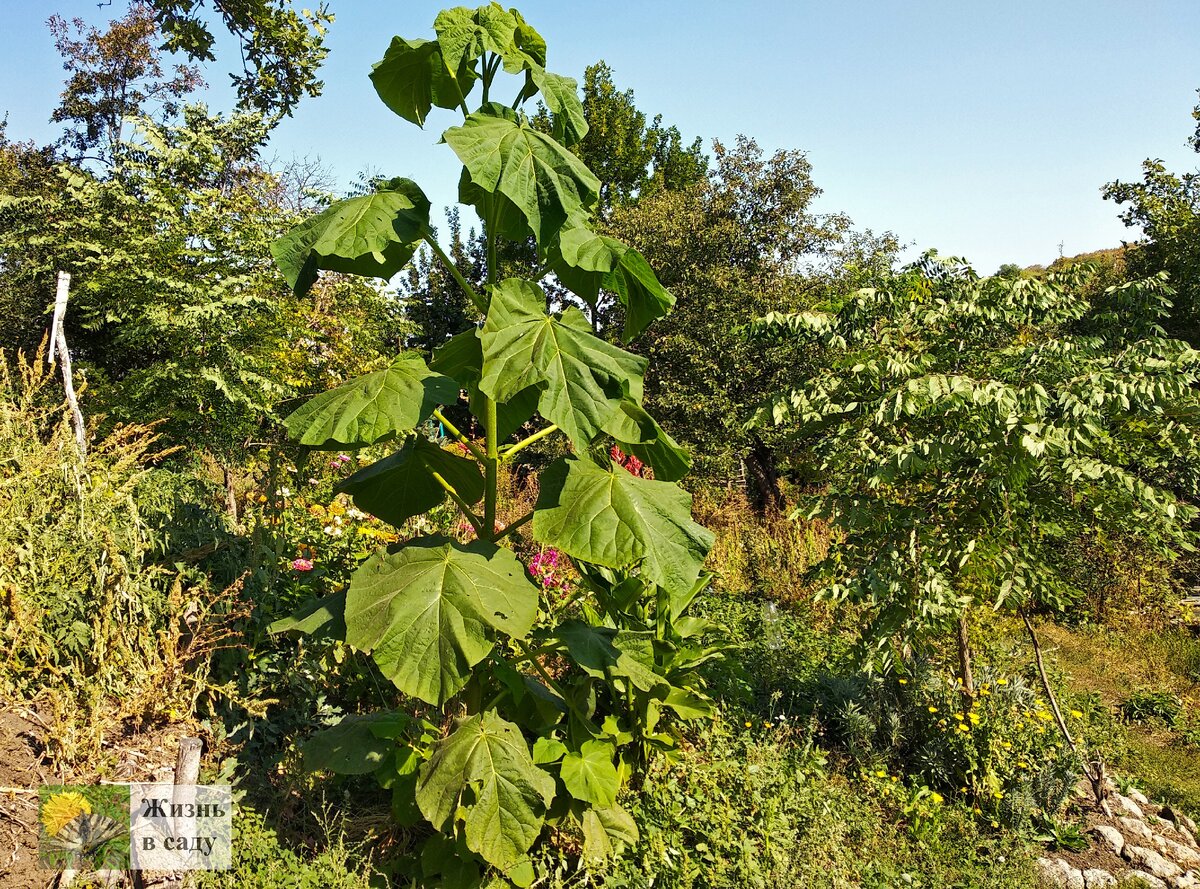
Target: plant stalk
[470,291]
[1093,771]
[524,443]
[459,436]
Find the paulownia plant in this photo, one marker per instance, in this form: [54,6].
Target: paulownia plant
[494,745]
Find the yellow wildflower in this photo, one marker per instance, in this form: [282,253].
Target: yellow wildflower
[932,709]
[63,808]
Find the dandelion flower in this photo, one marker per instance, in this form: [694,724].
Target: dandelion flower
[1077,714]
[932,709]
[63,808]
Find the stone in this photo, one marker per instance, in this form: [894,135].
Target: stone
[1182,855]
[1143,880]
[1111,837]
[1051,874]
[1187,836]
[1128,806]
[1138,797]
[1152,862]
[1136,830]
[1097,878]
[1179,818]
[1189,880]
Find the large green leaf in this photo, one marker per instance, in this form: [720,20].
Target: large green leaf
[561,95]
[640,435]
[612,518]
[375,234]
[587,263]
[350,747]
[505,155]
[461,357]
[324,617]
[374,407]
[465,34]
[607,831]
[604,652]
[585,378]
[483,770]
[426,611]
[502,216]
[590,775]
[401,486]
[412,77]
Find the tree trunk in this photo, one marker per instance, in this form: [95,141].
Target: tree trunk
[964,658]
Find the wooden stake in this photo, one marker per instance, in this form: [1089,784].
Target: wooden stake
[58,341]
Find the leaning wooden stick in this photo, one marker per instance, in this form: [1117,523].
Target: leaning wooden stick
[58,342]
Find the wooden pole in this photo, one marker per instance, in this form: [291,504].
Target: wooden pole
[58,341]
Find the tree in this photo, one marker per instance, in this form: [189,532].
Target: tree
[1166,207]
[498,746]
[965,431]
[282,50]
[629,157]
[113,76]
[732,248]
[433,299]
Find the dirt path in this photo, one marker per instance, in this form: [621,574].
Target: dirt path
[20,776]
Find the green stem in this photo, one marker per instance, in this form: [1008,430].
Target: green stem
[460,503]
[459,436]
[455,273]
[521,445]
[541,671]
[514,526]
[491,467]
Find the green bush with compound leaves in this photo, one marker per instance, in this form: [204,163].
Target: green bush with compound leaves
[515,721]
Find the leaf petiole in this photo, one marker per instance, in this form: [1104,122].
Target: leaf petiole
[458,436]
[460,503]
[521,445]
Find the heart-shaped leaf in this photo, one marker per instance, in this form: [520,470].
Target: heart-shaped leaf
[588,263]
[401,486]
[375,234]
[374,407]
[590,775]
[612,518]
[412,77]
[484,771]
[544,180]
[584,377]
[462,358]
[426,611]
[603,652]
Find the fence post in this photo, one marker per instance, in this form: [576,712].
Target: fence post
[58,341]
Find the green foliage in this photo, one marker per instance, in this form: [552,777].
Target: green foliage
[969,429]
[1166,208]
[94,580]
[1147,705]
[281,49]
[731,248]
[177,313]
[462,626]
[759,807]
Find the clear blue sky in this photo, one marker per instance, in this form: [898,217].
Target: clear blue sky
[981,129]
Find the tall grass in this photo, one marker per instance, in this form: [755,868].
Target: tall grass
[93,629]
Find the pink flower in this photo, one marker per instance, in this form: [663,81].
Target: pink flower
[302,565]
